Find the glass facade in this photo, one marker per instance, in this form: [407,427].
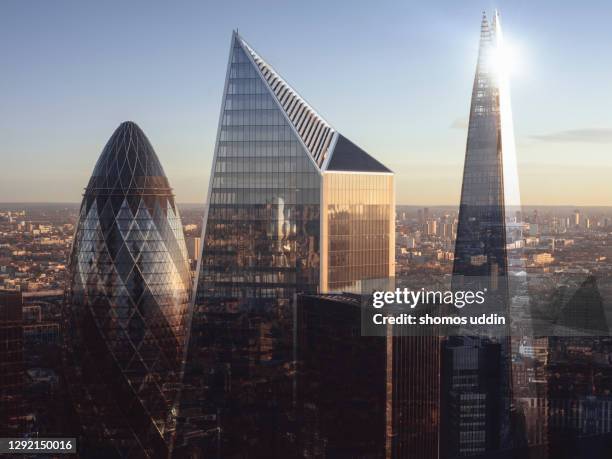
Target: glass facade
[476,372]
[262,245]
[262,231]
[480,248]
[358,233]
[127,304]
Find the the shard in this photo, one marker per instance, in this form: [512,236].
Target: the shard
[126,308]
[477,369]
[490,179]
[293,207]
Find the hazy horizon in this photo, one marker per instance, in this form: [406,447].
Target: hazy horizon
[431,206]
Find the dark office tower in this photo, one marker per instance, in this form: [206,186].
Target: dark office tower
[340,416]
[474,365]
[293,206]
[127,302]
[388,407]
[413,379]
[11,365]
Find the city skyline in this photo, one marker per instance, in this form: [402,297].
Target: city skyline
[249,323]
[52,134]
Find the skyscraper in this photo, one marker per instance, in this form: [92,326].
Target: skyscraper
[341,416]
[127,303]
[387,407]
[476,370]
[413,391]
[576,218]
[293,206]
[490,178]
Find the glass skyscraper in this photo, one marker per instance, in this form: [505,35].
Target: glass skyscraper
[293,207]
[363,396]
[490,179]
[127,304]
[477,370]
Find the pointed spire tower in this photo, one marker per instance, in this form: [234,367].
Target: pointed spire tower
[489,196]
[490,191]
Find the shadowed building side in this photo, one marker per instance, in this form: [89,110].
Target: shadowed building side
[362,396]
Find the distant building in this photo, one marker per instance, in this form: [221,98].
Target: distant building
[432,227]
[193,247]
[542,258]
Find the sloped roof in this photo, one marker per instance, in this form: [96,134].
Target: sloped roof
[328,148]
[314,131]
[349,157]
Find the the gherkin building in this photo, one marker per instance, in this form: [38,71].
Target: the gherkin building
[126,311]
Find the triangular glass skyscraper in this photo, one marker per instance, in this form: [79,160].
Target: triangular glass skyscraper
[490,189]
[293,207]
[476,371]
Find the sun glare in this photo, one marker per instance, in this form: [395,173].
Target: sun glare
[506,59]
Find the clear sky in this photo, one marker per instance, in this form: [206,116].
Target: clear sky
[393,76]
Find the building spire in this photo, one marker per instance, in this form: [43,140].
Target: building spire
[485,29]
[484,48]
[495,23]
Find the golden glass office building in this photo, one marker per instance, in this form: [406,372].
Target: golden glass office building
[357,229]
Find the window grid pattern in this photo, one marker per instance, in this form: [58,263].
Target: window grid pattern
[262,232]
[481,262]
[481,226]
[128,299]
[314,131]
[360,218]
